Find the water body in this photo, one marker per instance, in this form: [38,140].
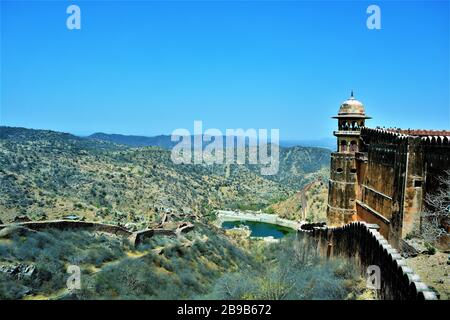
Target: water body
[260,229]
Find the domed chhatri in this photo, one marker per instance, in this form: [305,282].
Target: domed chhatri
[351,118]
[352,108]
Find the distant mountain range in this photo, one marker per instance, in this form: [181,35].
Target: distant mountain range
[164,141]
[328,143]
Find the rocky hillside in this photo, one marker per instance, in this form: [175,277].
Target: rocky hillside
[309,204]
[45,174]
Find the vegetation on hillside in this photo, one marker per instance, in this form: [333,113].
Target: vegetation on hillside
[291,270]
[204,263]
[45,174]
[309,204]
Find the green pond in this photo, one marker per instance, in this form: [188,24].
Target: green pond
[260,229]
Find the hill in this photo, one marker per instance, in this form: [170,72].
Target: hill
[46,174]
[162,141]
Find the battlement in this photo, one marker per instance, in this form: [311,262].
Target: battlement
[385,179]
[363,242]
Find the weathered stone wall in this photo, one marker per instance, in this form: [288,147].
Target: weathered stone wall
[366,214]
[135,238]
[382,198]
[68,224]
[363,242]
[395,173]
[413,196]
[138,237]
[342,189]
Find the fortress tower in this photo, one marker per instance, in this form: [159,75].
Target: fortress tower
[383,176]
[343,172]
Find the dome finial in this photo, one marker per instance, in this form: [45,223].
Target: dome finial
[351,94]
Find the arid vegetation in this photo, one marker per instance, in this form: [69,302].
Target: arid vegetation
[45,174]
[288,271]
[430,255]
[308,204]
[436,218]
[204,263]
[50,175]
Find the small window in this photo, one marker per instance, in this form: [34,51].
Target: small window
[343,146]
[354,146]
[339,170]
[417,183]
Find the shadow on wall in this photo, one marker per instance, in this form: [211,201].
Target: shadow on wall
[367,246]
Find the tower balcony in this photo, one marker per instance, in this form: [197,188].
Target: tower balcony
[347,133]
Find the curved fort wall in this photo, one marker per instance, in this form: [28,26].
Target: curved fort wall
[363,242]
[135,238]
[342,189]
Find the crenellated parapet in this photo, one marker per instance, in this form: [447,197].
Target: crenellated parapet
[369,248]
[385,179]
[135,238]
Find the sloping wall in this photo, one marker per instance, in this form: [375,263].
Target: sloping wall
[135,238]
[363,242]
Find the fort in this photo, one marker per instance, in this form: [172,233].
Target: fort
[134,238]
[363,243]
[382,176]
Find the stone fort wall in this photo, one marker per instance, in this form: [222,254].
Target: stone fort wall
[387,180]
[368,247]
[135,238]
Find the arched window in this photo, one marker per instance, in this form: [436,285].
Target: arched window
[343,146]
[353,146]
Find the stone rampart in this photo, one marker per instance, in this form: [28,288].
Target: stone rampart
[134,237]
[368,247]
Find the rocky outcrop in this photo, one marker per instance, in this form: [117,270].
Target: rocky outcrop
[19,271]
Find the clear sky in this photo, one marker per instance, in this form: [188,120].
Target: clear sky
[149,67]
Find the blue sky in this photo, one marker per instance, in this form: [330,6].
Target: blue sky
[149,67]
